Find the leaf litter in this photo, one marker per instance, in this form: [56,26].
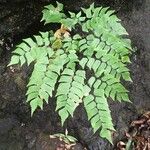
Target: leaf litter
[139,136]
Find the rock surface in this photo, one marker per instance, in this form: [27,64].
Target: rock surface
[18,131]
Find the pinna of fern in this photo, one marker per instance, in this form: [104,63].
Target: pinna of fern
[66,60]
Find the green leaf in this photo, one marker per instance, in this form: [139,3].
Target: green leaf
[96,12]
[78,14]
[113,94]
[86,90]
[30,42]
[88,99]
[52,14]
[46,87]
[19,51]
[76,91]
[96,65]
[59,6]
[82,41]
[71,138]
[97,125]
[69,23]
[65,79]
[88,12]
[90,63]
[94,122]
[97,84]
[31,89]
[72,14]
[79,79]
[125,97]
[60,105]
[73,96]
[125,59]
[126,76]
[80,73]
[105,133]
[107,90]
[24,46]
[77,37]
[31,96]
[83,62]
[68,72]
[63,113]
[63,88]
[77,85]
[29,58]
[36,103]
[43,95]
[51,75]
[40,67]
[91,81]
[83,47]
[39,40]
[14,60]
[22,60]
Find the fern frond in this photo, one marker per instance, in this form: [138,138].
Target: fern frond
[99,114]
[97,108]
[31,50]
[53,14]
[101,52]
[44,78]
[71,44]
[70,92]
[109,77]
[107,26]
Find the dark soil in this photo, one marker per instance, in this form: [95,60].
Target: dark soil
[18,131]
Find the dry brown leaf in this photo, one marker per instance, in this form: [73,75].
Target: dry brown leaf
[121,145]
[139,135]
[137,122]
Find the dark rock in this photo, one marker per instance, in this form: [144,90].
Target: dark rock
[20,19]
[2,70]
[31,140]
[10,135]
[7,124]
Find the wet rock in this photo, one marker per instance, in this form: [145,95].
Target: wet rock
[85,134]
[7,124]
[20,82]
[10,137]
[20,19]
[11,146]
[15,18]
[1,50]
[2,70]
[30,140]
